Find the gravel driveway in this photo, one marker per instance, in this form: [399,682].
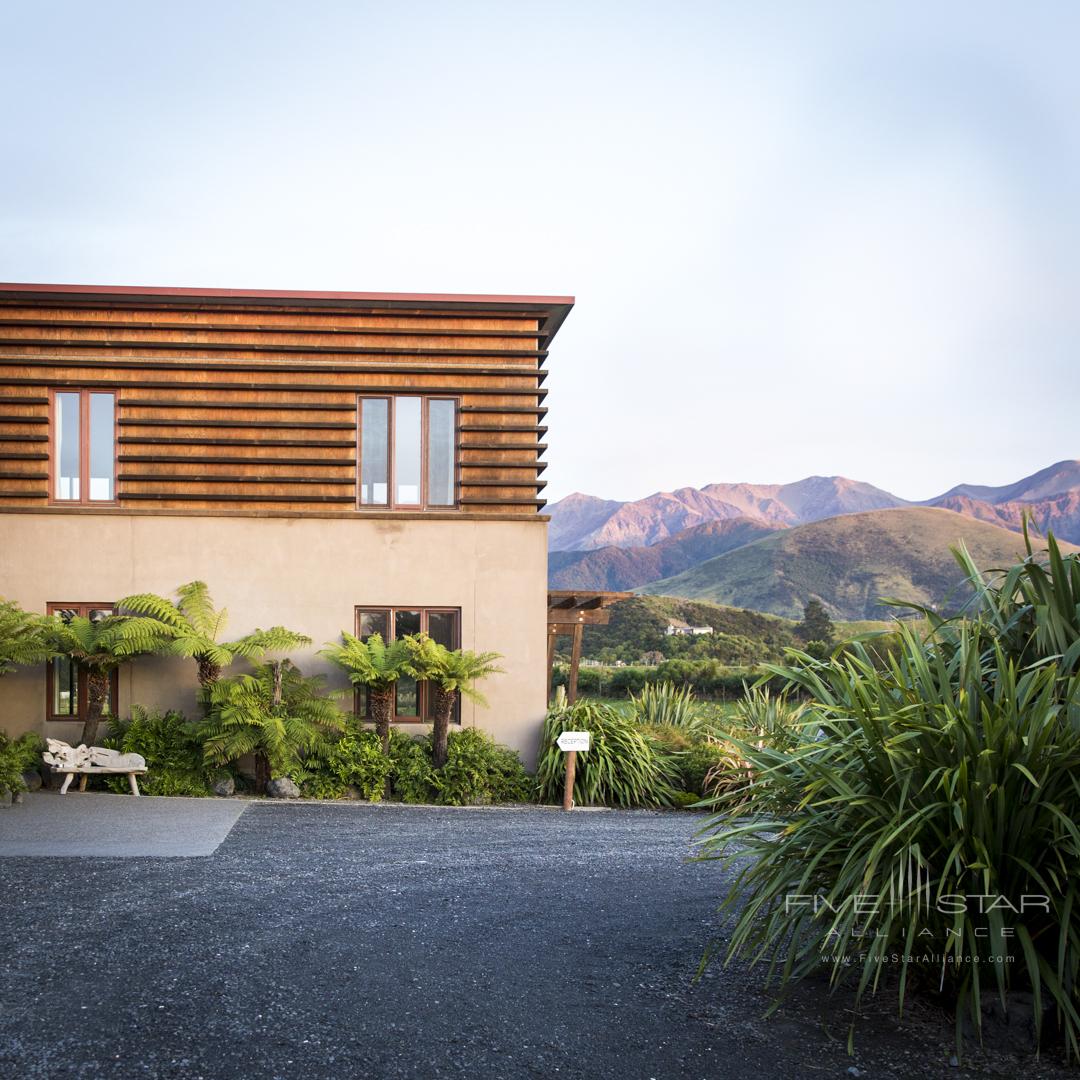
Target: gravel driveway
[344,941]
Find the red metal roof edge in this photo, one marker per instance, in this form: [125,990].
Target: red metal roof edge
[285,294]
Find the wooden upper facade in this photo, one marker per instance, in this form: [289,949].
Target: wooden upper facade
[225,401]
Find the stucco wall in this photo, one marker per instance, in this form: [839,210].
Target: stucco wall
[304,573]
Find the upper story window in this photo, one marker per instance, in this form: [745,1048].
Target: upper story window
[83,446]
[407,452]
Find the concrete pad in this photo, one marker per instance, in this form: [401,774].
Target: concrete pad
[97,825]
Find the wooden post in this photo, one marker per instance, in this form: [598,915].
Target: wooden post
[553,634]
[568,789]
[575,663]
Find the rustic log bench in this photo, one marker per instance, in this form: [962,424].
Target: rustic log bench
[87,761]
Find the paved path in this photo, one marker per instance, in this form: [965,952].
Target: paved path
[341,941]
[99,825]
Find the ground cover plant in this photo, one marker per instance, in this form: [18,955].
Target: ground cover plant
[913,783]
[16,757]
[171,746]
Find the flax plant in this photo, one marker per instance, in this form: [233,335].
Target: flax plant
[950,772]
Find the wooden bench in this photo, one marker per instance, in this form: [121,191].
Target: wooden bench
[87,761]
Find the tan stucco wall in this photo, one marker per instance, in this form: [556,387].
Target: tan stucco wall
[306,574]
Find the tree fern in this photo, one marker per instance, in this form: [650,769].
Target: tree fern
[193,626]
[24,637]
[276,713]
[450,672]
[377,666]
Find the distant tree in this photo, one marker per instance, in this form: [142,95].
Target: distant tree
[816,624]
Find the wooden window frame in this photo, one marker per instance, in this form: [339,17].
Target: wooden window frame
[391,463]
[84,447]
[79,717]
[423,693]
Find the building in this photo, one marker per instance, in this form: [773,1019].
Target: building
[324,461]
[677,629]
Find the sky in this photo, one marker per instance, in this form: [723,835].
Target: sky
[804,238]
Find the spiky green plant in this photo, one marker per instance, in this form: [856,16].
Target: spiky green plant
[192,625]
[276,713]
[18,756]
[664,704]
[377,666]
[100,646]
[624,766]
[24,637]
[450,672]
[949,772]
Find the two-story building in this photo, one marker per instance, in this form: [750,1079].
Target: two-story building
[324,461]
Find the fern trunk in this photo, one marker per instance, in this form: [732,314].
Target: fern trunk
[381,703]
[209,672]
[97,693]
[262,772]
[442,707]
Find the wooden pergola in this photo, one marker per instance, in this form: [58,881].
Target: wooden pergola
[569,612]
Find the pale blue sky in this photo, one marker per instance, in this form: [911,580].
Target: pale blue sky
[805,237]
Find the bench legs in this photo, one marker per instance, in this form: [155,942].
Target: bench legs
[67,783]
[83,777]
[134,783]
[82,782]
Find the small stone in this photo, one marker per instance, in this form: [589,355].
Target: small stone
[224,786]
[854,1071]
[282,789]
[32,779]
[954,1062]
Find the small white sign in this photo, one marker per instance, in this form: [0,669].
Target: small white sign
[573,740]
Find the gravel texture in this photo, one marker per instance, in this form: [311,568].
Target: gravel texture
[341,941]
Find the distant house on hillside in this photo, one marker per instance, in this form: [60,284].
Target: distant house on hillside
[675,629]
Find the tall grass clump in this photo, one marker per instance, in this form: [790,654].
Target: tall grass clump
[665,705]
[625,765]
[924,815]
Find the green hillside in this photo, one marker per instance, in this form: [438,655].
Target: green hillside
[849,563]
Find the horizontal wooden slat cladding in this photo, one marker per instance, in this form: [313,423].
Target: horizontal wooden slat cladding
[202,499]
[204,477]
[331,382]
[314,457]
[190,404]
[179,317]
[236,400]
[260,423]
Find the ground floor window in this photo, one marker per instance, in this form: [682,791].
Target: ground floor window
[65,681]
[411,703]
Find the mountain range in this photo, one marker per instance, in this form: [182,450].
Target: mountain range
[771,547]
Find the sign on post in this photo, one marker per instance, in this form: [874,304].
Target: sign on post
[571,742]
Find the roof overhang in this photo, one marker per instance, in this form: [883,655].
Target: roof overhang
[550,311]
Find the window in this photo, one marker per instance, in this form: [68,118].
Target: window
[407,452]
[83,446]
[65,681]
[441,624]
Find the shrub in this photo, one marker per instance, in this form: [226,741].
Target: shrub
[479,770]
[355,760]
[625,765]
[412,778]
[950,774]
[18,756]
[704,767]
[171,747]
[665,705]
